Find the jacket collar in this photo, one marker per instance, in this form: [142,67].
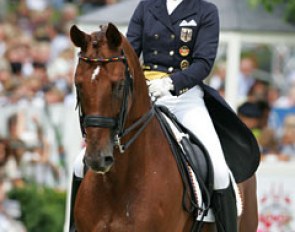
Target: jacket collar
[183,10]
[159,10]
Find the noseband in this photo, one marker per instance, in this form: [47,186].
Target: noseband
[115,124]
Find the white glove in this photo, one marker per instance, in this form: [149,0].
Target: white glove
[160,87]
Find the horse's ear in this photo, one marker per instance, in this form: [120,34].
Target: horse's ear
[78,37]
[113,36]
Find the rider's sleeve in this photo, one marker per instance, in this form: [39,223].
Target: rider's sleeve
[135,29]
[204,52]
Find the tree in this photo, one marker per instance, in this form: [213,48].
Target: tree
[288,5]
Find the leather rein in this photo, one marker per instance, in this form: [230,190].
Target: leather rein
[117,124]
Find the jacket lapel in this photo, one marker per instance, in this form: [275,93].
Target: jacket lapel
[159,10]
[185,9]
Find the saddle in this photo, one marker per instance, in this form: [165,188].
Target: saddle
[191,156]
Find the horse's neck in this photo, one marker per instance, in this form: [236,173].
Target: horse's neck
[138,157]
[140,98]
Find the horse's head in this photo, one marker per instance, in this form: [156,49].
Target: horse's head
[104,83]
[100,79]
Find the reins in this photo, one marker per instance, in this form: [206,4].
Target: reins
[115,124]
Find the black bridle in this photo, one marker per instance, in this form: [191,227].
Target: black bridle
[115,124]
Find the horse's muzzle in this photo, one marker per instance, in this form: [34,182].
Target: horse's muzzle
[100,164]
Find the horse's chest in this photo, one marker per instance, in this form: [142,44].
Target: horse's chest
[130,216]
[117,225]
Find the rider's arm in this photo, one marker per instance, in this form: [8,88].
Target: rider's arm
[204,51]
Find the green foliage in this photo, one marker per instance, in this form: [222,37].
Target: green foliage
[43,209]
[270,4]
[290,14]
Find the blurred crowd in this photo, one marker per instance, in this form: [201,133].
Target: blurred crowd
[36,72]
[36,64]
[267,108]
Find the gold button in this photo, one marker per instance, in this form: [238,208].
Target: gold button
[156,36]
[155,66]
[155,52]
[172,36]
[171,53]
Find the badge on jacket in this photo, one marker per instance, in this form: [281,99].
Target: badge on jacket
[184,64]
[186,34]
[184,51]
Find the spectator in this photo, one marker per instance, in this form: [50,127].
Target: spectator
[9,172]
[268,143]
[217,81]
[88,5]
[265,112]
[61,71]
[273,94]
[250,114]
[287,101]
[16,55]
[39,5]
[9,211]
[245,77]
[3,156]
[53,95]
[69,14]
[287,142]
[35,164]
[258,91]
[16,148]
[5,76]
[2,39]
[59,40]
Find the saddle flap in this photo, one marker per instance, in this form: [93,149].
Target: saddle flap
[191,152]
[196,158]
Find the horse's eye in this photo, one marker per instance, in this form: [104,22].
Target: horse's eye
[118,88]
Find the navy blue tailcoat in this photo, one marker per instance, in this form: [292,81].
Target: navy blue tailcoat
[184,45]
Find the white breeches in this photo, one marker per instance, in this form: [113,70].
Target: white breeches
[79,164]
[190,110]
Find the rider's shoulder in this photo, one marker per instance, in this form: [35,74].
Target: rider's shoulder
[207,6]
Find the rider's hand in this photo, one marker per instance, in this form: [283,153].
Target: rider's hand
[160,87]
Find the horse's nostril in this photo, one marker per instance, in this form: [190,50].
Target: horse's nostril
[108,160]
[100,164]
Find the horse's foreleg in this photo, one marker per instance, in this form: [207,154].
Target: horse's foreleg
[249,218]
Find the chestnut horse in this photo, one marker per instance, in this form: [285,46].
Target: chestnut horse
[133,183]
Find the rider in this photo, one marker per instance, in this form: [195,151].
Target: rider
[178,40]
